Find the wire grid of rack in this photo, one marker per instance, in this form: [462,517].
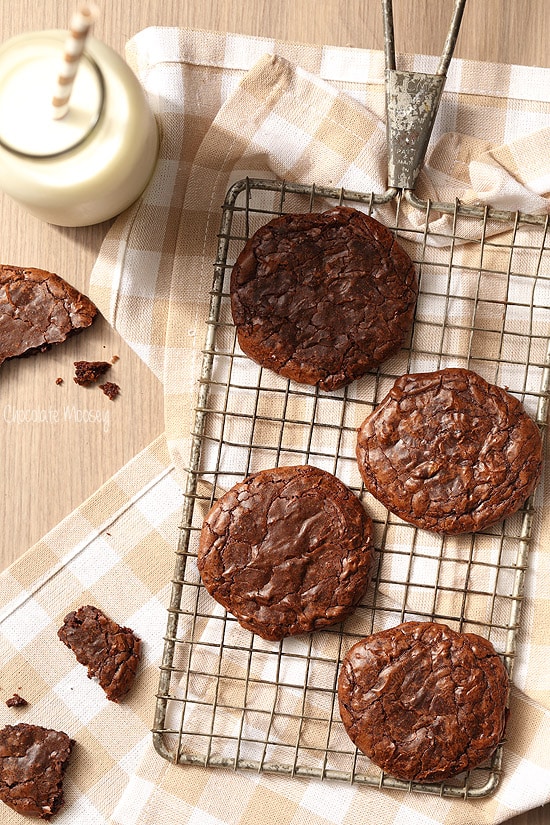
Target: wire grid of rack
[227,698]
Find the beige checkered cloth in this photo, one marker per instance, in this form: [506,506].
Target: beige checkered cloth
[230,106]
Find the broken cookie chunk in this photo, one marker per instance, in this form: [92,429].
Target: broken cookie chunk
[110,652]
[38,309]
[32,763]
[88,372]
[16,701]
[110,389]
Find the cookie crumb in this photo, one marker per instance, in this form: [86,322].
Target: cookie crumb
[59,381]
[114,359]
[88,372]
[110,389]
[16,701]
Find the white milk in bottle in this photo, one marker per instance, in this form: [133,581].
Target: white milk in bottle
[95,161]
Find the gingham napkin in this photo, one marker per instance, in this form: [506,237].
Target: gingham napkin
[230,106]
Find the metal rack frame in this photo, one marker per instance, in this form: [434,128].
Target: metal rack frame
[227,698]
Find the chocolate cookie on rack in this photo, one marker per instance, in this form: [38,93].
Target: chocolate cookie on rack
[449,452]
[422,701]
[322,298]
[287,551]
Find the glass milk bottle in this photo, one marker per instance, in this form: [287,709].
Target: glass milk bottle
[95,161]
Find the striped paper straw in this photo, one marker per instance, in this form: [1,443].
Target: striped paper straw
[81,23]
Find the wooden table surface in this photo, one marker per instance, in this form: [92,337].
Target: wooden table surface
[59,443]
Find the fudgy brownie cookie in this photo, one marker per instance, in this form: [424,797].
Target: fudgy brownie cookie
[322,298]
[32,763]
[109,651]
[449,452]
[422,701]
[287,551]
[38,309]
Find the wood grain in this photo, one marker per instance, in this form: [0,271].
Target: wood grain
[53,454]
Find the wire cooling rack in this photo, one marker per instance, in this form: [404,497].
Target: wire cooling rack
[227,698]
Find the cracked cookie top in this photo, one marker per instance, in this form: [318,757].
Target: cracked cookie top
[422,701]
[38,309]
[33,760]
[322,298]
[287,551]
[449,452]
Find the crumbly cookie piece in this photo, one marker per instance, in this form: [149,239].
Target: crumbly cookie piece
[110,652]
[33,760]
[16,701]
[88,372]
[110,389]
